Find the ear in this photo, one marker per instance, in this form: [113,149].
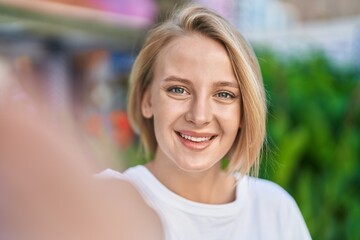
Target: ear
[146,106]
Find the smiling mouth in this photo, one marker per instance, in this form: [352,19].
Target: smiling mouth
[195,139]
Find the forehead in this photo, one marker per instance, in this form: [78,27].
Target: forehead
[191,44]
[194,55]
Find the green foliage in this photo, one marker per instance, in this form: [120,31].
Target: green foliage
[314,139]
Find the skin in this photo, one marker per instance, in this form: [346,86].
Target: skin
[48,190]
[195,102]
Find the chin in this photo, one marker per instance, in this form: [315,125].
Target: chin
[194,168]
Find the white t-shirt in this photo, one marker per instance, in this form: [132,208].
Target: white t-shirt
[262,210]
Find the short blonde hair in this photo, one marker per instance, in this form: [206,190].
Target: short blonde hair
[244,155]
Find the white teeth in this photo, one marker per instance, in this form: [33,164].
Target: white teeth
[195,139]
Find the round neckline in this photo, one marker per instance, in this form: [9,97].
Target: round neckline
[169,197]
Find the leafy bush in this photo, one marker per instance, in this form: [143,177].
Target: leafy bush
[314,139]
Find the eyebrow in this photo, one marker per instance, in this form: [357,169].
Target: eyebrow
[227,84]
[177,79]
[216,84]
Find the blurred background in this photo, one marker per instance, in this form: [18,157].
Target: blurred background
[78,54]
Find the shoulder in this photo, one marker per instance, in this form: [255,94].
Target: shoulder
[270,199]
[268,191]
[109,174]
[133,175]
[275,208]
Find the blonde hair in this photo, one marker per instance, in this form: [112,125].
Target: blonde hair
[244,155]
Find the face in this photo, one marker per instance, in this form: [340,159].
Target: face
[195,102]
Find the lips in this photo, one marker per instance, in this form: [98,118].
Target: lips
[196,138]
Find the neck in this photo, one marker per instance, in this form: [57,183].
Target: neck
[213,186]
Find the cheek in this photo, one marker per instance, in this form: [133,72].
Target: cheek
[165,112]
[167,108]
[229,118]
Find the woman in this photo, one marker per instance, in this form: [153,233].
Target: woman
[197,97]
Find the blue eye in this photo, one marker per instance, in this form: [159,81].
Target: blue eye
[225,95]
[177,90]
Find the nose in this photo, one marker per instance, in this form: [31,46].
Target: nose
[199,112]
